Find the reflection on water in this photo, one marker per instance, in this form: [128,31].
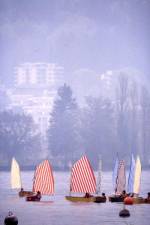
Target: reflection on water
[56,210]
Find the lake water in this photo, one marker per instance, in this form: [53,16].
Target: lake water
[56,210]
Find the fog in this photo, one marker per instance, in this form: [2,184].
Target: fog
[102,49]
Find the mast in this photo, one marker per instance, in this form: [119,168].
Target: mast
[99,177]
[115,173]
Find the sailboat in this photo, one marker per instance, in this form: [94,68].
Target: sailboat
[15,175]
[134,179]
[16,182]
[131,175]
[119,181]
[43,183]
[98,198]
[82,181]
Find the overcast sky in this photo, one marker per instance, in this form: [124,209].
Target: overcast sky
[80,35]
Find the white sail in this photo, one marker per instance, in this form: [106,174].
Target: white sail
[15,174]
[137,176]
[121,178]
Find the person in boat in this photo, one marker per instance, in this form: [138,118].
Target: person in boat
[21,190]
[34,197]
[148,196]
[123,194]
[103,195]
[131,195]
[87,195]
[38,195]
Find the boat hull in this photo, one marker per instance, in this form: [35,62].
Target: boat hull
[99,199]
[32,199]
[80,199]
[116,199]
[138,200]
[25,193]
[147,201]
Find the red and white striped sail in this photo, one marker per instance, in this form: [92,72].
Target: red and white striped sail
[121,178]
[43,179]
[82,177]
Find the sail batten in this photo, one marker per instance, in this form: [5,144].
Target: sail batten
[43,179]
[15,175]
[82,177]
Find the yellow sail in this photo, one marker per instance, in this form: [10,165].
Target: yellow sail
[137,176]
[15,174]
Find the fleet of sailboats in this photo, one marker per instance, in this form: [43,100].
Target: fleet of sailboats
[83,185]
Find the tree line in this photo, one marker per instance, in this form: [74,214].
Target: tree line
[102,126]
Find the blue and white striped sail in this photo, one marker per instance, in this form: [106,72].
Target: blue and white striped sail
[115,173]
[131,175]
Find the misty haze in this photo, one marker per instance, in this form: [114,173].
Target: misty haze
[74,81]
[75,112]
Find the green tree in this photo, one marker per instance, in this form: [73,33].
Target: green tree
[98,130]
[18,137]
[62,133]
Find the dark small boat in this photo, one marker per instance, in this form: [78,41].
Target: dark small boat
[116,198]
[25,193]
[33,198]
[147,201]
[100,199]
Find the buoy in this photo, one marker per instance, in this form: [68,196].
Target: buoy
[128,201]
[124,213]
[10,219]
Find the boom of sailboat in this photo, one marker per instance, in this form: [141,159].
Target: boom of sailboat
[84,187]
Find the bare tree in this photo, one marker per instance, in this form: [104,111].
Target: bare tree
[145,122]
[122,93]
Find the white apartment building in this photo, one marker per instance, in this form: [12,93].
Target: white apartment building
[35,89]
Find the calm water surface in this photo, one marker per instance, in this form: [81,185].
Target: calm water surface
[55,210]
